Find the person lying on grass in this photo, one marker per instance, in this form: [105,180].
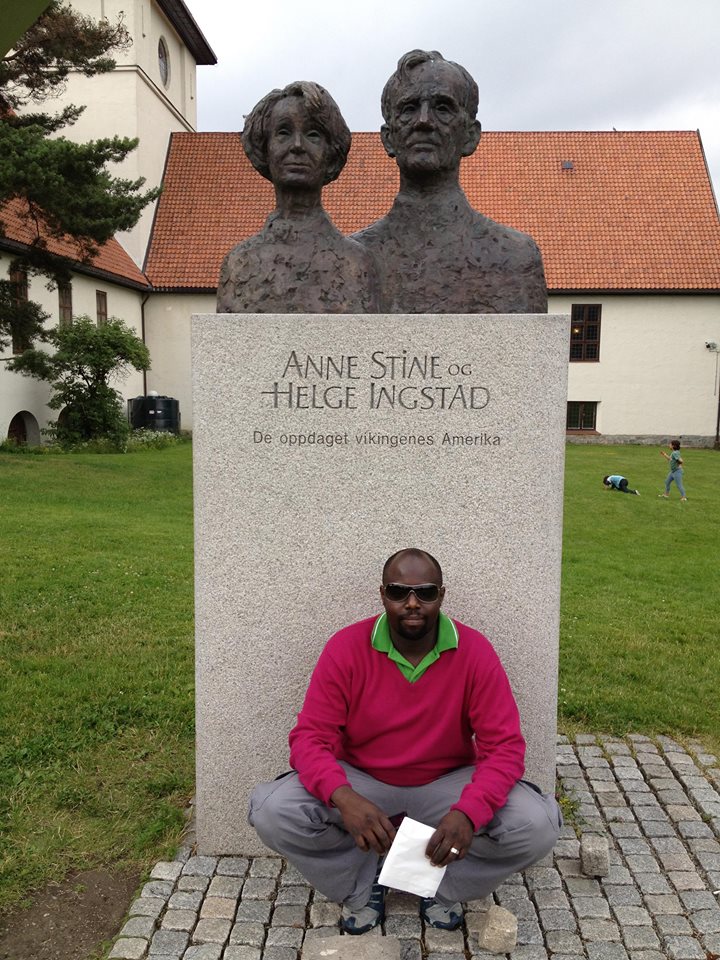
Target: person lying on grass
[617,482]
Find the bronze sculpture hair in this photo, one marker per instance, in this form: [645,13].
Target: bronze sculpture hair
[321,107]
[415,58]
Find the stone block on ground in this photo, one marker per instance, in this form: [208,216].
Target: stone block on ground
[139,927]
[166,870]
[204,951]
[401,904]
[242,953]
[321,914]
[351,948]
[147,907]
[212,930]
[443,941]
[497,930]
[594,855]
[129,948]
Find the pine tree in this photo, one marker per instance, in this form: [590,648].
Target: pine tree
[57,187]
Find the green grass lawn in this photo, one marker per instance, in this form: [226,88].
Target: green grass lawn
[96,639]
[96,661]
[639,627]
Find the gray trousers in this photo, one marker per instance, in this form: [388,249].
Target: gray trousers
[310,835]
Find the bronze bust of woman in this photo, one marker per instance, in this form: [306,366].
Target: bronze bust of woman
[299,262]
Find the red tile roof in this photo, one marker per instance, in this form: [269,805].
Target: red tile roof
[610,211]
[111,258]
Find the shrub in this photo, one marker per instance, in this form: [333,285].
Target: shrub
[87,357]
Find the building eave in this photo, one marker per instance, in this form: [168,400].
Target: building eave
[87,269]
[191,34]
[184,290]
[634,291]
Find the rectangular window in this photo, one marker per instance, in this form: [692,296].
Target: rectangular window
[585,332]
[581,415]
[101,307]
[19,279]
[65,303]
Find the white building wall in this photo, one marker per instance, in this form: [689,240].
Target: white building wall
[655,376]
[146,24]
[132,101]
[167,335]
[19,393]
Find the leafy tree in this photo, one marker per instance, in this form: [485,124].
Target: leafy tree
[79,371]
[58,188]
[21,320]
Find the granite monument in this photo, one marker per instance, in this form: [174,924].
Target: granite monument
[338,419]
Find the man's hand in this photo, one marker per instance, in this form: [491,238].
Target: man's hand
[364,821]
[454,832]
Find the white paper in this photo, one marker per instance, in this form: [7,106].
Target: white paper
[406,867]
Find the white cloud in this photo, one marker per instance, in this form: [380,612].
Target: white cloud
[540,64]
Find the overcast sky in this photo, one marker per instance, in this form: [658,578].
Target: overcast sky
[539,64]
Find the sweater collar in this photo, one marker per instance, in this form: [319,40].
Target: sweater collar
[447,635]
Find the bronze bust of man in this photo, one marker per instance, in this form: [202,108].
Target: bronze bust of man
[434,252]
[299,262]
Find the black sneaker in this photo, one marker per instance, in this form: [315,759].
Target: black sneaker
[357,920]
[439,916]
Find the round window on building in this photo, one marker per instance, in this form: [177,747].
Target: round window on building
[164,62]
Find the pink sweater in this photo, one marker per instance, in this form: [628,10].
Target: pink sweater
[360,708]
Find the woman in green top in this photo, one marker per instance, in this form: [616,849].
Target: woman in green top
[676,470]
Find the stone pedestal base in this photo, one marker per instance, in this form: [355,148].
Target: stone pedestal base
[322,444]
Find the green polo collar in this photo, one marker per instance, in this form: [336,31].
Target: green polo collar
[447,640]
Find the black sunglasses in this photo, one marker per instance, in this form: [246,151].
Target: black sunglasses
[425,592]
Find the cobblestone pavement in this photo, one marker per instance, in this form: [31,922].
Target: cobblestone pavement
[656,801]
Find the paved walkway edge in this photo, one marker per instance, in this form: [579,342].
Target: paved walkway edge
[657,802]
